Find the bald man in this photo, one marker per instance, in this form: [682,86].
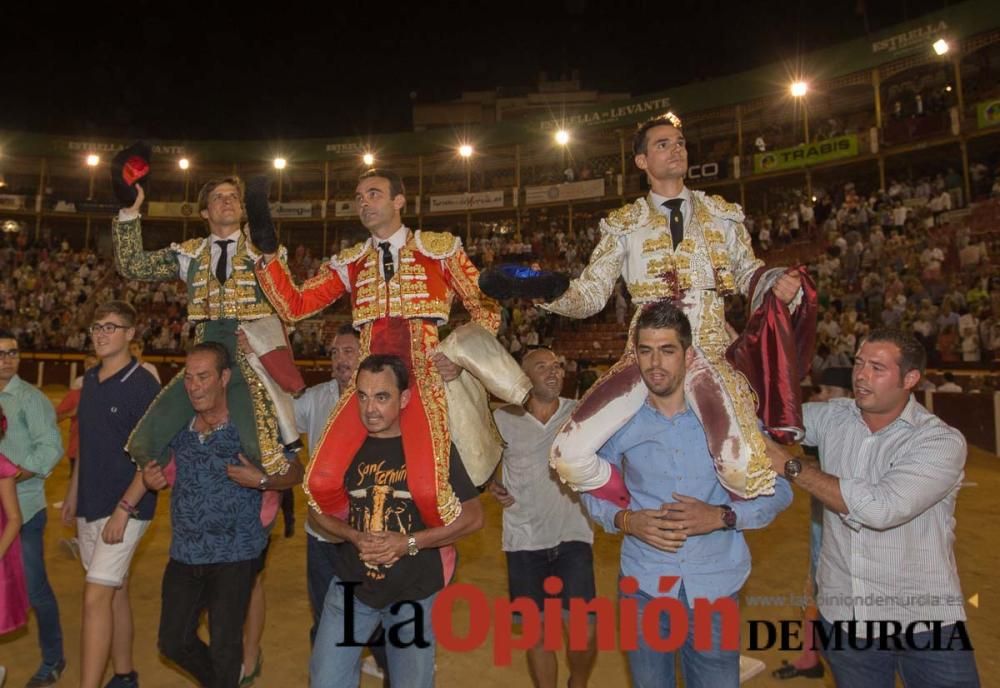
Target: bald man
[545,530]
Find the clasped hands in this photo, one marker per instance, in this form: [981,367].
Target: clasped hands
[383,548]
[668,527]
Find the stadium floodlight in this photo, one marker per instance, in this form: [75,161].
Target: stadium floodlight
[799,88]
[280,163]
[184,163]
[941,46]
[465,150]
[93,160]
[368,159]
[562,137]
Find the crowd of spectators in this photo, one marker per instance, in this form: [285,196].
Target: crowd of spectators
[878,257]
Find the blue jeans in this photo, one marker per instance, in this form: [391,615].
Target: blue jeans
[875,668]
[320,558]
[715,668]
[333,665]
[40,594]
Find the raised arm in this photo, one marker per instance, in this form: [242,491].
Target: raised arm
[131,260]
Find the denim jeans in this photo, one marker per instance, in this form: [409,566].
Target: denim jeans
[320,558]
[715,668]
[40,594]
[335,665]
[875,668]
[224,591]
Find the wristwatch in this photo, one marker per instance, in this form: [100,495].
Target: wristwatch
[728,516]
[262,485]
[792,469]
[411,546]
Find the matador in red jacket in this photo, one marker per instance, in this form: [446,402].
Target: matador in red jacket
[402,284]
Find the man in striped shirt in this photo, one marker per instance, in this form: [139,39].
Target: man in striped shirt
[889,477]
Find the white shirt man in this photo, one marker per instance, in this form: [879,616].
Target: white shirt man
[545,530]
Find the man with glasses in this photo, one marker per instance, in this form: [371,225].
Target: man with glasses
[223,297]
[107,495]
[33,444]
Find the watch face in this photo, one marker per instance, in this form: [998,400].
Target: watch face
[792,468]
[729,518]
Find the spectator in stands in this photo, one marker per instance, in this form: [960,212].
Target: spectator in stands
[949,384]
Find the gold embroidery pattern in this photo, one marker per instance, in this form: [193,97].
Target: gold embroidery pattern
[439,245]
[662,242]
[625,217]
[191,247]
[272,456]
[760,476]
[424,338]
[135,263]
[708,316]
[349,255]
[723,208]
[237,298]
[465,281]
[659,266]
[645,292]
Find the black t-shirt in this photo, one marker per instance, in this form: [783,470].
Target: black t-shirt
[380,500]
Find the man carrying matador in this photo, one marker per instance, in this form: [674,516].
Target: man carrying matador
[223,297]
[401,285]
[685,246]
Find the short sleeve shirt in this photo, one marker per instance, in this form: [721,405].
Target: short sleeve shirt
[379,501]
[214,519]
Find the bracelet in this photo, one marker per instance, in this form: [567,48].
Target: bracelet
[128,508]
[626,514]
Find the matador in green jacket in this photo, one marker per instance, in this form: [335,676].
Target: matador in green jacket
[223,298]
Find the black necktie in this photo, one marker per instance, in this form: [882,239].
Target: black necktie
[388,266]
[676,219]
[220,267]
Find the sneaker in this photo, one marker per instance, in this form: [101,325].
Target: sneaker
[368,666]
[46,675]
[129,680]
[750,667]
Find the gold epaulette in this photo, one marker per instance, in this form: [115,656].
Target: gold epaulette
[438,245]
[720,207]
[351,254]
[626,219]
[190,248]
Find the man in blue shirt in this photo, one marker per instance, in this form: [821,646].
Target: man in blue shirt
[218,536]
[681,522]
[33,444]
[107,496]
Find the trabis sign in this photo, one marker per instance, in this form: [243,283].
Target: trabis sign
[803,155]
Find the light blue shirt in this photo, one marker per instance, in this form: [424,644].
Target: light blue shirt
[32,441]
[659,456]
[313,408]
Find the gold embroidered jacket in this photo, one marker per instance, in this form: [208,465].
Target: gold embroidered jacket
[714,259]
[432,269]
[239,298]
